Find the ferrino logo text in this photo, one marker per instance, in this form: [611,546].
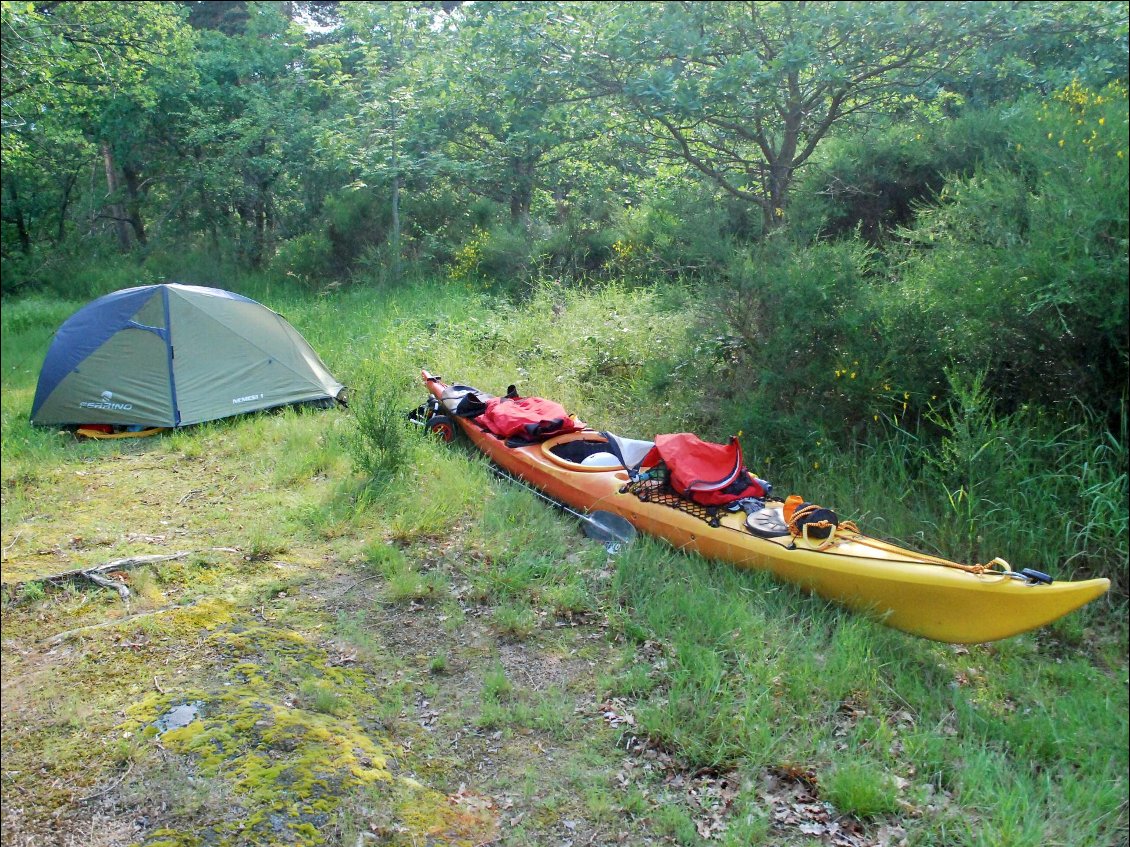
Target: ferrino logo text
[247,399]
[106,403]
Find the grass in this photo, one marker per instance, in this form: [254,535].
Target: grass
[359,595]
[320,697]
[862,789]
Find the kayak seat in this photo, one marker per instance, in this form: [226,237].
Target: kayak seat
[601,460]
[579,452]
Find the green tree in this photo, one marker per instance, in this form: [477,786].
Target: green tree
[250,131]
[1045,46]
[67,69]
[511,106]
[745,92]
[379,133]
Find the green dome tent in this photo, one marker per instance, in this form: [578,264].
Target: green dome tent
[173,355]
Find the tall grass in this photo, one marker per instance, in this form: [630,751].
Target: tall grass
[1038,491]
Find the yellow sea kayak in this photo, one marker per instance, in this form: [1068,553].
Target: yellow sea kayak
[911,591]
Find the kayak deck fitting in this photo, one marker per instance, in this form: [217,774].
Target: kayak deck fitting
[911,591]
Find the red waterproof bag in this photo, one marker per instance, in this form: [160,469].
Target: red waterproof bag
[708,473]
[528,418]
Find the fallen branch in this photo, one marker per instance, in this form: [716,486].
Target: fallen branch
[12,544]
[360,582]
[134,561]
[95,574]
[60,637]
[118,565]
[120,587]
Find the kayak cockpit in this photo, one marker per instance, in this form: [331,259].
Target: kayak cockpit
[588,452]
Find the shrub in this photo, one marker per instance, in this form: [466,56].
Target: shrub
[1015,270]
[673,233]
[306,258]
[872,183]
[802,353]
[506,253]
[380,438]
[1020,268]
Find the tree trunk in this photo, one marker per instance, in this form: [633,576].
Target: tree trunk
[774,211]
[268,224]
[133,190]
[207,209]
[117,213]
[211,215]
[260,227]
[14,213]
[521,191]
[64,204]
[243,240]
[781,165]
[396,228]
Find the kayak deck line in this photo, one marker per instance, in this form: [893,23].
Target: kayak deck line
[946,601]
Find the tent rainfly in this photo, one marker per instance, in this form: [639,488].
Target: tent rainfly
[172,355]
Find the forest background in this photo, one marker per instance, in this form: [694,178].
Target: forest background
[886,242]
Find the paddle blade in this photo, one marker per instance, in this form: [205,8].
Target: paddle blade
[606,527]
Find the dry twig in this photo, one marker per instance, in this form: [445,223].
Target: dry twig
[12,543]
[109,788]
[360,582]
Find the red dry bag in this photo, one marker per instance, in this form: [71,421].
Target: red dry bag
[711,474]
[528,418]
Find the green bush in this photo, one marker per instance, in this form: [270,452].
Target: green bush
[576,250]
[506,254]
[1015,270]
[380,439]
[73,274]
[675,232]
[803,353]
[355,220]
[1020,268]
[872,183]
[306,258]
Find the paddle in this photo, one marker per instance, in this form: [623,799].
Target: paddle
[606,527]
[601,526]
